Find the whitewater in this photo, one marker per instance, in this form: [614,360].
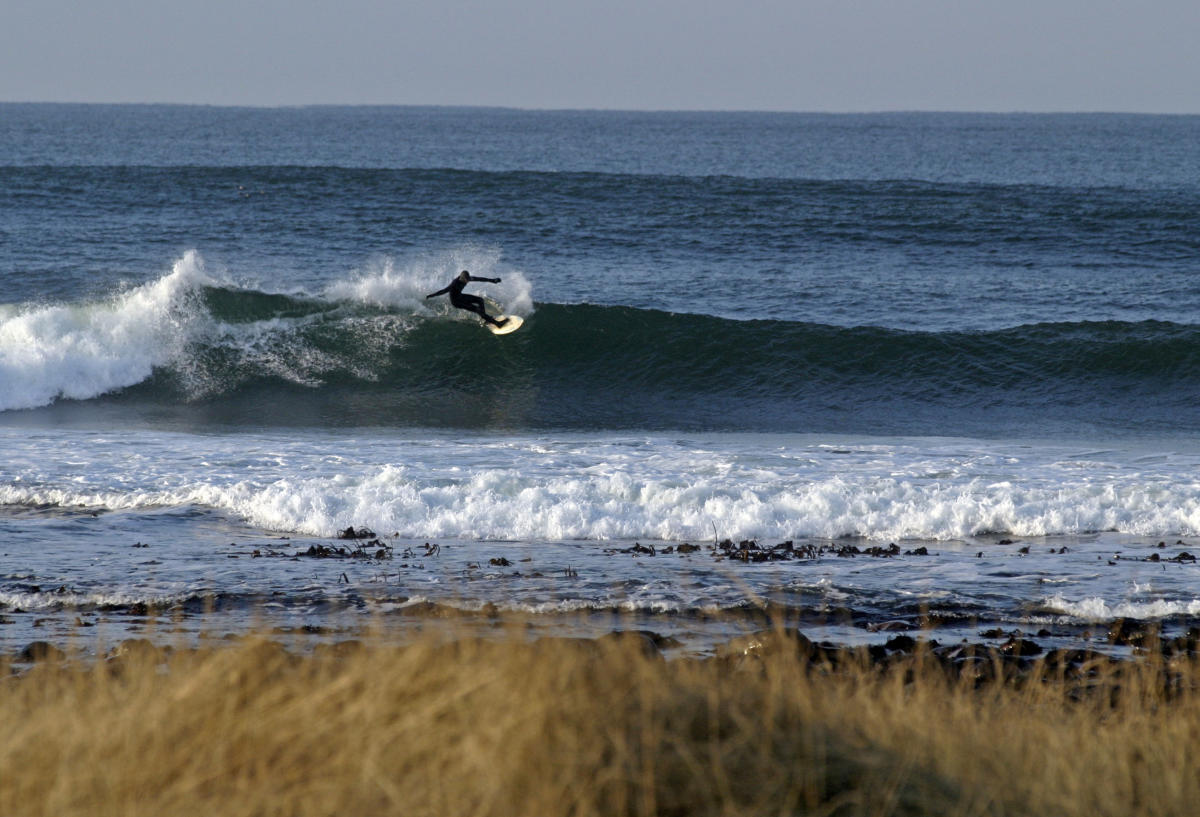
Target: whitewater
[577,487]
[78,351]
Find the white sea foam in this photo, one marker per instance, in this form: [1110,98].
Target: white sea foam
[395,284]
[428,493]
[79,351]
[42,600]
[1096,608]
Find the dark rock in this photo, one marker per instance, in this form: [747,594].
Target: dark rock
[637,549]
[375,549]
[500,561]
[339,649]
[1020,647]
[686,548]
[933,619]
[1180,646]
[978,668]
[427,609]
[36,651]
[1129,632]
[901,643]
[953,653]
[768,642]
[360,533]
[302,629]
[1187,644]
[1066,659]
[648,642]
[142,648]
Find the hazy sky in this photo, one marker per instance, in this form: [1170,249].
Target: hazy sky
[791,55]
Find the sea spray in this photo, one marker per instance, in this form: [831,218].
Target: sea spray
[83,350]
[402,284]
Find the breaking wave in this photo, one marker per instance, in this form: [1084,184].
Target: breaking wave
[372,351]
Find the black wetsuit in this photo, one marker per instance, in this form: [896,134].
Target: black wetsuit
[471,303]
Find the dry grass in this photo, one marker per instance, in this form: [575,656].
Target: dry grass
[560,727]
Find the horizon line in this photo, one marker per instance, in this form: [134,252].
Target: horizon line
[585,109]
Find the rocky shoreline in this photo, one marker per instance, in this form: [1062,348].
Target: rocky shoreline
[362,579]
[1017,660]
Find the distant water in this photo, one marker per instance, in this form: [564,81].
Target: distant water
[945,330]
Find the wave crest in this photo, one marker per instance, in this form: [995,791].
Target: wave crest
[371,350]
[194,337]
[83,351]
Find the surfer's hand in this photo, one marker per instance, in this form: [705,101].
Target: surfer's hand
[495,280]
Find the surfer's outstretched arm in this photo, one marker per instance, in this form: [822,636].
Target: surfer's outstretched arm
[439,292]
[484,280]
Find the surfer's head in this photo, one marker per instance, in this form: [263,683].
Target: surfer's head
[464,276]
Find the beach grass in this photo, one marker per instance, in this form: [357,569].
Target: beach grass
[509,726]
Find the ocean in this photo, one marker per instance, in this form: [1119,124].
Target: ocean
[863,372]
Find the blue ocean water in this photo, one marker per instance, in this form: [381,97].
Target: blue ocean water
[944,330]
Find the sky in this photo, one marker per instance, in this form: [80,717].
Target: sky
[776,55]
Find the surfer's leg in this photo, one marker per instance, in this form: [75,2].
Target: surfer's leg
[473,303]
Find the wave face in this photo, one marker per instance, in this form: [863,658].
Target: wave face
[850,251]
[372,351]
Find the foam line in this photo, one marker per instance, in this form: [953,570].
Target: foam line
[507,503]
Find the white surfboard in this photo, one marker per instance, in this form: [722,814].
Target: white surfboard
[511,325]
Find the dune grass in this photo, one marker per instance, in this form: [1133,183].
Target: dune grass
[502,726]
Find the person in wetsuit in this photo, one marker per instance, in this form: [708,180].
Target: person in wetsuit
[471,303]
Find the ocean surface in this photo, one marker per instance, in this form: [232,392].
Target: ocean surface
[974,337]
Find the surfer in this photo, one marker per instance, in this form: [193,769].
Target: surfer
[471,303]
